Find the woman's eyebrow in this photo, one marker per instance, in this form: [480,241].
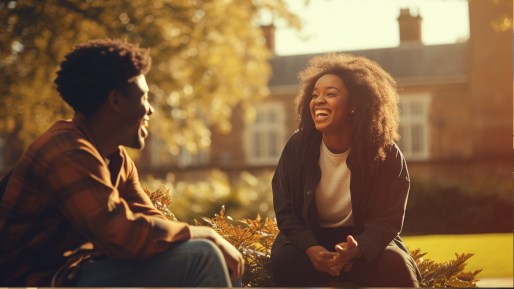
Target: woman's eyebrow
[329,87]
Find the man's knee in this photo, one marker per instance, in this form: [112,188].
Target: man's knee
[203,247]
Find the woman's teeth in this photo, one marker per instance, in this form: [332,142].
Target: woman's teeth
[321,112]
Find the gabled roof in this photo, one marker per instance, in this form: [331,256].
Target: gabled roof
[409,61]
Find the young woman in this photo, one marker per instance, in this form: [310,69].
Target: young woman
[341,185]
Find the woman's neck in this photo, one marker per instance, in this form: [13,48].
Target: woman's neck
[337,143]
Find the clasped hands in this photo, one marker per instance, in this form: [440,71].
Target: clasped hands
[334,262]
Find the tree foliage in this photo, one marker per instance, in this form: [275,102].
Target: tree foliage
[208,56]
[247,195]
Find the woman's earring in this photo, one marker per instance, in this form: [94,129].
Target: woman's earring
[352,111]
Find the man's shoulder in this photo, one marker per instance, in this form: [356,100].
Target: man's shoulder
[61,138]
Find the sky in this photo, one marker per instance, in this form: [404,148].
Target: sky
[343,25]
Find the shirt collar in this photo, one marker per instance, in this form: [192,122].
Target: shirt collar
[85,126]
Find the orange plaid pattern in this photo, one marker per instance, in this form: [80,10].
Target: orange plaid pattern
[63,194]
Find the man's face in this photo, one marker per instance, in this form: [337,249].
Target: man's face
[136,114]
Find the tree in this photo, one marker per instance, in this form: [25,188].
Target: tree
[208,56]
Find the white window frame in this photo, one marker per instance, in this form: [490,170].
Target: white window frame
[410,121]
[264,127]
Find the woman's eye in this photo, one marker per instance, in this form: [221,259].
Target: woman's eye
[314,96]
[331,94]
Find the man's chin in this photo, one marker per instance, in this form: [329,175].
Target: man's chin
[138,144]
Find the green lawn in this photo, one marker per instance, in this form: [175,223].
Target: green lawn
[493,252]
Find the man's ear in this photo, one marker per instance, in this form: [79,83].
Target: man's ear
[114,100]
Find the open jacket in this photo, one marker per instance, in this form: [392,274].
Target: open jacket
[378,200]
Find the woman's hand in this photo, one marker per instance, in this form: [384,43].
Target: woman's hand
[346,251]
[323,260]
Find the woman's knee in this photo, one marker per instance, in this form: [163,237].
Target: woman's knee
[286,256]
[398,268]
[395,257]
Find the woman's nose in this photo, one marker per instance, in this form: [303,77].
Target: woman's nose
[320,99]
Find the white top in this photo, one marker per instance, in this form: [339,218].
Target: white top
[333,193]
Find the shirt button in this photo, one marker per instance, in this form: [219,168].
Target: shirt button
[309,192]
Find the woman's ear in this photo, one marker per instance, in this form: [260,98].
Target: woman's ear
[114,100]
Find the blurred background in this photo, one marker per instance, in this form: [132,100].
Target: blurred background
[224,78]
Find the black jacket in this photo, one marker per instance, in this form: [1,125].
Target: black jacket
[378,200]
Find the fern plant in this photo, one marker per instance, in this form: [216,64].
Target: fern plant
[255,239]
[449,274]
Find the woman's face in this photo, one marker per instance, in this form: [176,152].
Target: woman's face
[330,107]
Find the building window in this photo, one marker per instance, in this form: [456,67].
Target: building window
[264,138]
[414,126]
[186,158]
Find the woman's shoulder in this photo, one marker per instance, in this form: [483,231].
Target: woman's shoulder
[394,157]
[393,150]
[293,141]
[292,148]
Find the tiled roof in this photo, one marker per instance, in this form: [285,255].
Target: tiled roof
[401,62]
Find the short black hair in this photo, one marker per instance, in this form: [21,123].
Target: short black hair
[94,69]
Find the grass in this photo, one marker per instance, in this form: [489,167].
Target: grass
[493,252]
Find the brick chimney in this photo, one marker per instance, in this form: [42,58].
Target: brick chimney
[269,33]
[410,27]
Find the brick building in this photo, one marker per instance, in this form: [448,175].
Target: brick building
[456,103]
[455,100]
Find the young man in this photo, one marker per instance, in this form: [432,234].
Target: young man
[75,197]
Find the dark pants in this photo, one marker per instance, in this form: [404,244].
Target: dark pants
[393,268]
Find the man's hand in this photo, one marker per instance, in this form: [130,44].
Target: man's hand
[233,258]
[346,251]
[323,260]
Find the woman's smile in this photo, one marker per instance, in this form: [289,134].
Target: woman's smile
[322,114]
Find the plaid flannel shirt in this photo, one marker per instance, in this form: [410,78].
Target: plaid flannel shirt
[63,194]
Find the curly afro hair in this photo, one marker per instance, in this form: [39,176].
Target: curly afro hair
[94,69]
[373,94]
